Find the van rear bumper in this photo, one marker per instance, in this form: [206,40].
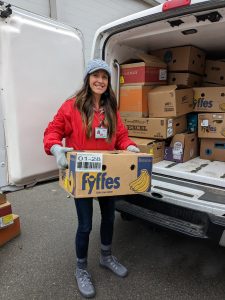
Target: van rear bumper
[183,220]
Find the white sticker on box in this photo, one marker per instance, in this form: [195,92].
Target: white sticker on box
[205,123]
[89,162]
[162,74]
[169,131]
[170,123]
[177,150]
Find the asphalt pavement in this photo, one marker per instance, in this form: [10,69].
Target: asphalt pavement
[40,263]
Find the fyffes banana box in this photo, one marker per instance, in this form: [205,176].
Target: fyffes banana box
[106,173]
[209,99]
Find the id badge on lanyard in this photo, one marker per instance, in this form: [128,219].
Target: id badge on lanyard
[101,133]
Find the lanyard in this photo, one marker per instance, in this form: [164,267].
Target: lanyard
[99,113]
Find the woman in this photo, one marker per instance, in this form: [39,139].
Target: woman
[90,121]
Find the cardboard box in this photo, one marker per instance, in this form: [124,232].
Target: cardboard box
[11,231]
[183,147]
[210,84]
[2,199]
[184,79]
[209,99]
[134,100]
[215,71]
[155,128]
[211,125]
[183,59]
[147,70]
[6,217]
[153,147]
[106,173]
[212,149]
[168,101]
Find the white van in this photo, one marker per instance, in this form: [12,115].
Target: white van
[41,64]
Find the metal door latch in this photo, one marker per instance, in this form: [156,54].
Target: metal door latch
[5,10]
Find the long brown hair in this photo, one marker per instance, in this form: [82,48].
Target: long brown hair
[84,103]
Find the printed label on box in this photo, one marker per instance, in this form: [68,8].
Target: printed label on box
[121,79]
[177,150]
[205,123]
[89,162]
[170,123]
[169,131]
[6,220]
[162,74]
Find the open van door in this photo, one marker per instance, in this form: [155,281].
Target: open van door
[42,64]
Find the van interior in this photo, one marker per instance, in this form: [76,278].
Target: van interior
[205,30]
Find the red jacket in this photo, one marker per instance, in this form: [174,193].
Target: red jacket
[67,124]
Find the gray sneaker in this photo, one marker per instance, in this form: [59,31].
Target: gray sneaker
[84,283]
[111,263]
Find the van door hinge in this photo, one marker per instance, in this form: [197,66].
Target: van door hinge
[212,17]
[5,10]
[175,23]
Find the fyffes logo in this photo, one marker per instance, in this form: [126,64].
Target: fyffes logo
[211,128]
[99,181]
[203,103]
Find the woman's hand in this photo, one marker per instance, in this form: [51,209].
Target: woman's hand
[133,148]
[60,154]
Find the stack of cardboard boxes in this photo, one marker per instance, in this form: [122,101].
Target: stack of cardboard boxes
[9,223]
[136,81]
[210,103]
[167,105]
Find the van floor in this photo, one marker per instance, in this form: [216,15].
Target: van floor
[197,169]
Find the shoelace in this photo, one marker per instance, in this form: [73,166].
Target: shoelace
[114,262]
[85,278]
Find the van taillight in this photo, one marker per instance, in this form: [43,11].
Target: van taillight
[171,4]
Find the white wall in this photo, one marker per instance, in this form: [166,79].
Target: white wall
[40,7]
[89,15]
[86,15]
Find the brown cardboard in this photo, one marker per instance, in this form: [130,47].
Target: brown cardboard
[119,173]
[168,101]
[209,99]
[183,147]
[11,231]
[155,128]
[184,79]
[212,149]
[183,59]
[215,71]
[148,70]
[153,147]
[211,125]
[210,84]
[2,199]
[134,100]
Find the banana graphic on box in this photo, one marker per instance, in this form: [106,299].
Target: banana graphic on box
[70,183]
[142,183]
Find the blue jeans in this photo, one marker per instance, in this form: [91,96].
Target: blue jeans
[84,208]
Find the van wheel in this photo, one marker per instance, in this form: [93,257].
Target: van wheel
[126,216]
